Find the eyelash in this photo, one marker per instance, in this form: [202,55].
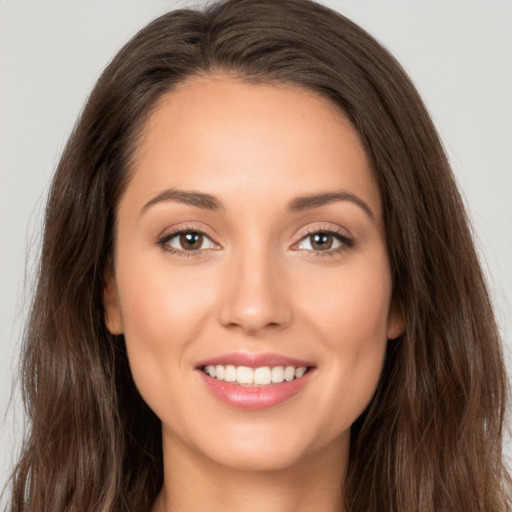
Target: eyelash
[163,242]
[345,242]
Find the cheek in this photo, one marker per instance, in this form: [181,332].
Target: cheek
[351,304]
[349,313]
[163,311]
[160,298]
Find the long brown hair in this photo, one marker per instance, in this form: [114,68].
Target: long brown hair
[431,439]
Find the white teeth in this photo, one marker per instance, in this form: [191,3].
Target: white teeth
[244,375]
[289,373]
[277,374]
[230,373]
[210,370]
[261,376]
[299,372]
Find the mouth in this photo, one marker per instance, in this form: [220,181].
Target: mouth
[255,381]
[255,377]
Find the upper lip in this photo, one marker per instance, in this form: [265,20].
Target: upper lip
[253,360]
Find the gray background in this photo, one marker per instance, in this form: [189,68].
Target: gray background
[458,52]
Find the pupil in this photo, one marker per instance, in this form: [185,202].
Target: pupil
[321,241]
[191,241]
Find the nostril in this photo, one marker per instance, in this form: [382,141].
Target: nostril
[252,298]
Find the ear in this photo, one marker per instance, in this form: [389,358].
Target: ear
[113,319]
[396,323]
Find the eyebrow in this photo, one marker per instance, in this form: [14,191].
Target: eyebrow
[308,202]
[299,204]
[192,198]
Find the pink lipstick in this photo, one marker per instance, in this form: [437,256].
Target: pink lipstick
[254,381]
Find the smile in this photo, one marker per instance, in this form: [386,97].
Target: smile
[261,376]
[253,382]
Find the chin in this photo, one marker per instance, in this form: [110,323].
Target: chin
[265,449]
[259,457]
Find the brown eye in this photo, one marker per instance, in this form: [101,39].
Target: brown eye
[321,241]
[324,241]
[191,241]
[187,241]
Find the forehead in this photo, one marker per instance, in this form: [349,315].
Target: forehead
[227,137]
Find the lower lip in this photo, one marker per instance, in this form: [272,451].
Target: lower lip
[254,397]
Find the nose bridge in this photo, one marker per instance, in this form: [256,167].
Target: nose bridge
[254,295]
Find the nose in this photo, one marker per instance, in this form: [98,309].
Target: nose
[255,295]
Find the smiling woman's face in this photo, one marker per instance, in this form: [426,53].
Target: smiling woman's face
[250,245]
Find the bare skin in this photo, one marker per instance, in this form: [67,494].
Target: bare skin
[221,250]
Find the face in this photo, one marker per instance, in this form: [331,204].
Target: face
[251,279]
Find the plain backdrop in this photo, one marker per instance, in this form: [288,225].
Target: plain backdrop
[458,52]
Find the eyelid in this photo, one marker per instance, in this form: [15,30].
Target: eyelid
[341,235]
[169,234]
[346,240]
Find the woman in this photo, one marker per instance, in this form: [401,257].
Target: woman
[258,287]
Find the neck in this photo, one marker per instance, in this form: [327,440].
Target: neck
[192,482]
